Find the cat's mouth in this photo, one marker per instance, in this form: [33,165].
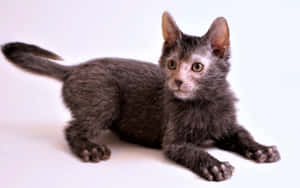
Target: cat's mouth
[174,90]
[182,94]
[179,91]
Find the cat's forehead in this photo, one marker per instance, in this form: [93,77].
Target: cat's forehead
[200,54]
[204,58]
[189,47]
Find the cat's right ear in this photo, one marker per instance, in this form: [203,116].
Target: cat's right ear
[218,36]
[170,30]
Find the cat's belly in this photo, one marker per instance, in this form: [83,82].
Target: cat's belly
[141,123]
[143,134]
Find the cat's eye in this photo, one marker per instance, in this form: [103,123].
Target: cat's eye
[197,67]
[172,65]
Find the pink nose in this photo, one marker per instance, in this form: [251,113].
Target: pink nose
[178,83]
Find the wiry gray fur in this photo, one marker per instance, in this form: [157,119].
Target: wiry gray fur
[131,98]
[32,58]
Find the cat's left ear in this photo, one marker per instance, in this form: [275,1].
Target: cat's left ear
[170,30]
[218,36]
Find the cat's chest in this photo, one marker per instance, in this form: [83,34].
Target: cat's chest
[198,124]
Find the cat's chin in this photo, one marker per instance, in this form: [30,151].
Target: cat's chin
[182,95]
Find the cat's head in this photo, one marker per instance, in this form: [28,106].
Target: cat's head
[193,65]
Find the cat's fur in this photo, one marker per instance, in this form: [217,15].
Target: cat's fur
[177,110]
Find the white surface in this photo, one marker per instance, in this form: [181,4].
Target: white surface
[265,76]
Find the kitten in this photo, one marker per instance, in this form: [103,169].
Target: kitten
[180,105]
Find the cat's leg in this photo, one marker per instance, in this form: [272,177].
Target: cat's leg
[78,137]
[199,161]
[94,101]
[240,141]
[87,126]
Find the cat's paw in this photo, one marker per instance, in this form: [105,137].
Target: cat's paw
[264,155]
[94,153]
[219,172]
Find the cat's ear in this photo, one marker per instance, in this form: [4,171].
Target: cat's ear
[170,30]
[218,36]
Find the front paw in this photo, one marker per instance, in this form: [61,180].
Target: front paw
[90,152]
[218,172]
[264,154]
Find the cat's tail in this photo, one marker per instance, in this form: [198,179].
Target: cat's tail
[35,59]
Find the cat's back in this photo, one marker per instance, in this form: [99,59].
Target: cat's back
[120,68]
[120,63]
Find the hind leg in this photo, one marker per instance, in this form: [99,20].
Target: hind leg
[80,144]
[94,103]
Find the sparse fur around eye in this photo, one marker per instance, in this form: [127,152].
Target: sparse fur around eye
[171,65]
[189,50]
[197,67]
[175,109]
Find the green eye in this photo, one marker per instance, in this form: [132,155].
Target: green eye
[172,65]
[197,67]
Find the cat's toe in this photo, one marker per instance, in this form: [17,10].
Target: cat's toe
[273,154]
[85,155]
[95,153]
[206,174]
[105,152]
[264,154]
[218,172]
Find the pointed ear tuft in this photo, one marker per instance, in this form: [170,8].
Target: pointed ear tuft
[170,30]
[218,36]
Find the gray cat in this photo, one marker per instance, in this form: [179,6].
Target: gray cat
[180,105]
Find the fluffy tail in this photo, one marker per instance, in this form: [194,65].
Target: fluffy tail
[34,59]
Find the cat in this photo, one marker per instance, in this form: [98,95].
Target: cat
[180,105]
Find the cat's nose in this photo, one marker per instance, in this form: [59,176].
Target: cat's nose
[178,83]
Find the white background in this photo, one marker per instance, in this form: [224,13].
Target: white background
[265,76]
